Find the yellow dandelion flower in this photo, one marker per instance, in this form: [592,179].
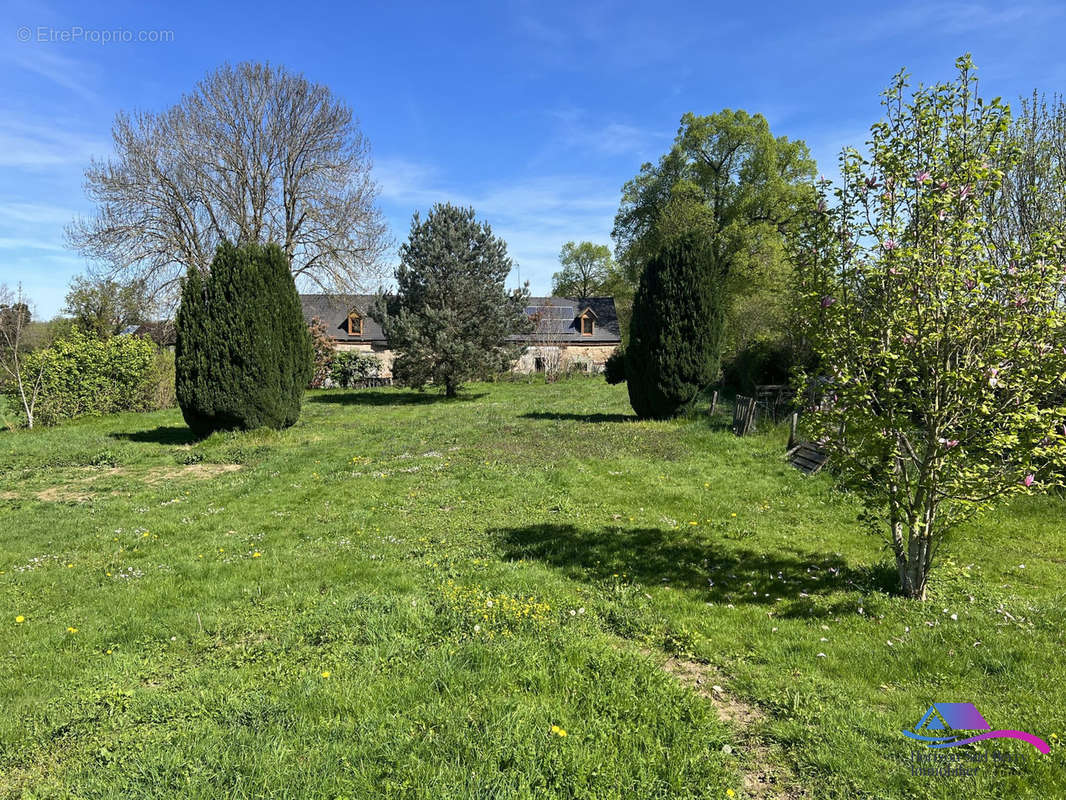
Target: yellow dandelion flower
[72,630]
[109,652]
[693,522]
[256,554]
[730,792]
[733,514]
[325,673]
[20,619]
[560,732]
[69,566]
[144,535]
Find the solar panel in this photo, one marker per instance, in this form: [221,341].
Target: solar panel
[551,312]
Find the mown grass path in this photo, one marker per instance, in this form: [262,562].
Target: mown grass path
[403,596]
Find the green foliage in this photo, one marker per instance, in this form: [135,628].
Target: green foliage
[675,333]
[614,368]
[104,307]
[451,317]
[83,374]
[244,352]
[587,268]
[14,316]
[728,180]
[163,389]
[944,343]
[322,353]
[349,369]
[760,363]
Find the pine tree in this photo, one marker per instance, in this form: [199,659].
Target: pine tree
[675,333]
[451,317]
[243,353]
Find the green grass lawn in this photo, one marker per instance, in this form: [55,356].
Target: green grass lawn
[401,596]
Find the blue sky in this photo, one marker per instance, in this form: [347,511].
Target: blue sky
[535,113]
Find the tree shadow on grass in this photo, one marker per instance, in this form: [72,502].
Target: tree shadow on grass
[164,434]
[580,417]
[720,572]
[376,397]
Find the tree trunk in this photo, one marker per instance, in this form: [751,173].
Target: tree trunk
[913,561]
[449,389]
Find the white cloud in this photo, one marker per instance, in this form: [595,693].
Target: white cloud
[35,213]
[535,216]
[47,63]
[29,144]
[579,130]
[18,243]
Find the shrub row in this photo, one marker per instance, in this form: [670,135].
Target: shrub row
[84,375]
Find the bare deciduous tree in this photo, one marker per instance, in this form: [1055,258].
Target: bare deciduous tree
[254,154]
[14,321]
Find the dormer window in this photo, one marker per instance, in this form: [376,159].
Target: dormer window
[587,322]
[355,324]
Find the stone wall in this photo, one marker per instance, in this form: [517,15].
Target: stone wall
[590,358]
[540,358]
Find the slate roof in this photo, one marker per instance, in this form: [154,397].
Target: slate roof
[333,310]
[557,318]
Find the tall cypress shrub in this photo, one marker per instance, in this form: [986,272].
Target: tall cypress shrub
[243,353]
[676,330]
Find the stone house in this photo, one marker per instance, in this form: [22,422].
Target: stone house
[568,332]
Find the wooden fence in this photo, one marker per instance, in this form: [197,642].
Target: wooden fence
[745,411]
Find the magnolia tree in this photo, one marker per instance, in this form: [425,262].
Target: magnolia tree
[940,343]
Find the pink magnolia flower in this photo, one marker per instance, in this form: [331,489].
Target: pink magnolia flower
[922,177]
[871,183]
[828,301]
[889,244]
[965,192]
[969,284]
[949,443]
[942,186]
[893,271]
[1028,480]
[941,214]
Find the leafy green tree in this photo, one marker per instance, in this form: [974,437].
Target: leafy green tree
[673,338]
[451,317]
[243,354]
[729,180]
[104,307]
[322,348]
[942,343]
[586,267]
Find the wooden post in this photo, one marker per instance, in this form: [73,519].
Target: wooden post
[714,402]
[792,430]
